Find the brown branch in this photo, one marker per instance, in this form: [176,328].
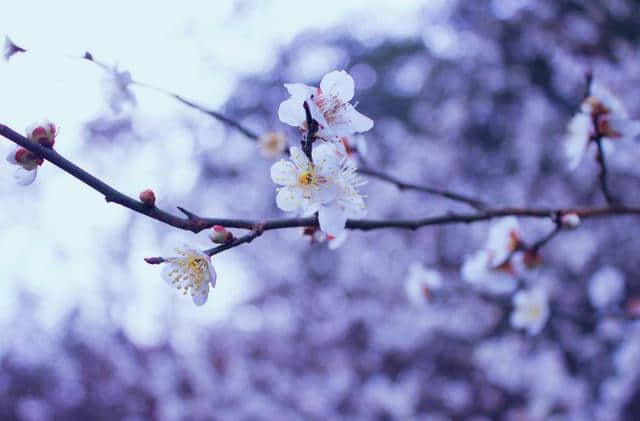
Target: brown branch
[195,223]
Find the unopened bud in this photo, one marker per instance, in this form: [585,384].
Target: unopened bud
[43,132]
[220,235]
[148,197]
[570,220]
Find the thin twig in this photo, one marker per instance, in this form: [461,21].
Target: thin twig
[403,185]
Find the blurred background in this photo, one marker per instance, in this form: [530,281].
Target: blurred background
[471,96]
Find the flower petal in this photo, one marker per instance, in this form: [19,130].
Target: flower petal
[291,112]
[351,121]
[25,177]
[300,90]
[289,198]
[11,156]
[332,220]
[284,173]
[326,158]
[201,295]
[338,83]
[299,158]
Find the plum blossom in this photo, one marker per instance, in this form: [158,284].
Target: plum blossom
[329,105]
[606,287]
[328,185]
[116,86]
[272,145]
[531,310]
[27,163]
[494,267]
[601,114]
[191,271]
[43,132]
[421,283]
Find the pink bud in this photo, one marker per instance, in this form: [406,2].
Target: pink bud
[43,132]
[148,197]
[220,235]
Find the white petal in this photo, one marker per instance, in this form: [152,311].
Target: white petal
[11,156]
[213,276]
[332,220]
[291,112]
[299,158]
[289,198]
[326,158]
[325,193]
[300,90]
[25,177]
[352,121]
[200,295]
[284,173]
[337,240]
[338,83]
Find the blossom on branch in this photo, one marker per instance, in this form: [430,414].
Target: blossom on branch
[606,287]
[27,163]
[43,132]
[496,266]
[328,185]
[191,272]
[421,283]
[329,106]
[602,116]
[531,310]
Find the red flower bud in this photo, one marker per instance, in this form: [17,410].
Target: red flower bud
[220,235]
[148,197]
[43,133]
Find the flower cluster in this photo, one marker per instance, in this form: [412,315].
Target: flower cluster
[327,181]
[602,116]
[43,133]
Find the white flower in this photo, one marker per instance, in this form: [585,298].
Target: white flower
[504,239]
[116,85]
[606,110]
[271,145]
[578,138]
[421,282]
[191,271]
[329,105]
[27,163]
[478,270]
[494,267]
[307,185]
[348,203]
[606,287]
[531,310]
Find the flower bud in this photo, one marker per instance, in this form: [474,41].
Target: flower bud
[570,220]
[148,197]
[26,159]
[220,235]
[43,132]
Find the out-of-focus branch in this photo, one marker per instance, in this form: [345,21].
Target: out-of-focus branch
[403,185]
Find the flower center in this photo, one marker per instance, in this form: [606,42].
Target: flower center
[306,178]
[330,106]
[191,271]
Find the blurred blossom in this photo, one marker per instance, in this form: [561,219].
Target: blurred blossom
[272,144]
[116,85]
[531,310]
[606,287]
[421,283]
